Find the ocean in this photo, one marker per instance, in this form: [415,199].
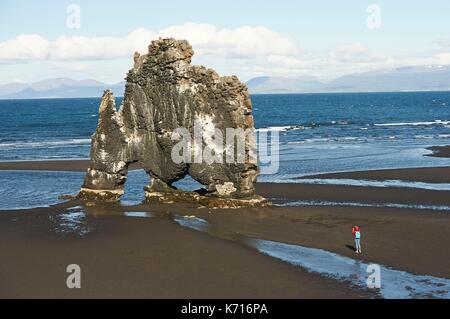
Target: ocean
[318,133]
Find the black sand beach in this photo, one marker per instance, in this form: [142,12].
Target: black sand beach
[156,258]
[440,151]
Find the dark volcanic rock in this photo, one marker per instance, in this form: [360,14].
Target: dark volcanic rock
[163,93]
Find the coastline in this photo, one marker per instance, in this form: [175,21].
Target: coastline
[155,258]
[69,165]
[419,174]
[440,151]
[146,258]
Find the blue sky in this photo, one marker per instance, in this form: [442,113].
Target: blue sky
[331,38]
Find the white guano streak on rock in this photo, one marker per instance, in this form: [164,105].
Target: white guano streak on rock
[205,123]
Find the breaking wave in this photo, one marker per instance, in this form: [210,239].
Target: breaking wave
[75,141]
[436,122]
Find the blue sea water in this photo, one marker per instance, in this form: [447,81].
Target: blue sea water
[318,132]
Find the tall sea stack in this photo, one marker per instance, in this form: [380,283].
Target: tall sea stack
[164,93]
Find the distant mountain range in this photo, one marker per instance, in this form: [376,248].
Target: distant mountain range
[58,88]
[422,78]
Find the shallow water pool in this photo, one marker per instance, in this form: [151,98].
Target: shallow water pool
[395,284]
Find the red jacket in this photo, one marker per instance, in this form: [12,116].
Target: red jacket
[354,230]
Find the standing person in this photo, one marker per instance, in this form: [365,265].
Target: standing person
[357,234]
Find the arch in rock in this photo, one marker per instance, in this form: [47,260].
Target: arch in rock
[163,93]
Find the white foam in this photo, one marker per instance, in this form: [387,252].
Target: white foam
[359,204]
[138,214]
[436,122]
[75,141]
[275,129]
[395,284]
[374,183]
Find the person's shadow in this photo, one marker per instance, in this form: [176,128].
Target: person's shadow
[352,248]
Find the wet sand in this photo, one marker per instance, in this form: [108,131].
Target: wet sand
[440,151]
[405,239]
[426,174]
[132,257]
[57,165]
[361,194]
[156,258]
[126,257]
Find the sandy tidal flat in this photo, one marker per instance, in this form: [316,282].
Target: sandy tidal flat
[143,252]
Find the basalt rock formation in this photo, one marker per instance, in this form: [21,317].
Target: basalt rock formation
[163,93]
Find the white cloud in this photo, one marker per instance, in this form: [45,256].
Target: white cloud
[330,63]
[24,47]
[443,42]
[246,51]
[356,53]
[442,58]
[71,66]
[241,42]
[85,48]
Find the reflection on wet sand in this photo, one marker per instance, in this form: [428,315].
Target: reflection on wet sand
[359,204]
[395,284]
[72,221]
[82,220]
